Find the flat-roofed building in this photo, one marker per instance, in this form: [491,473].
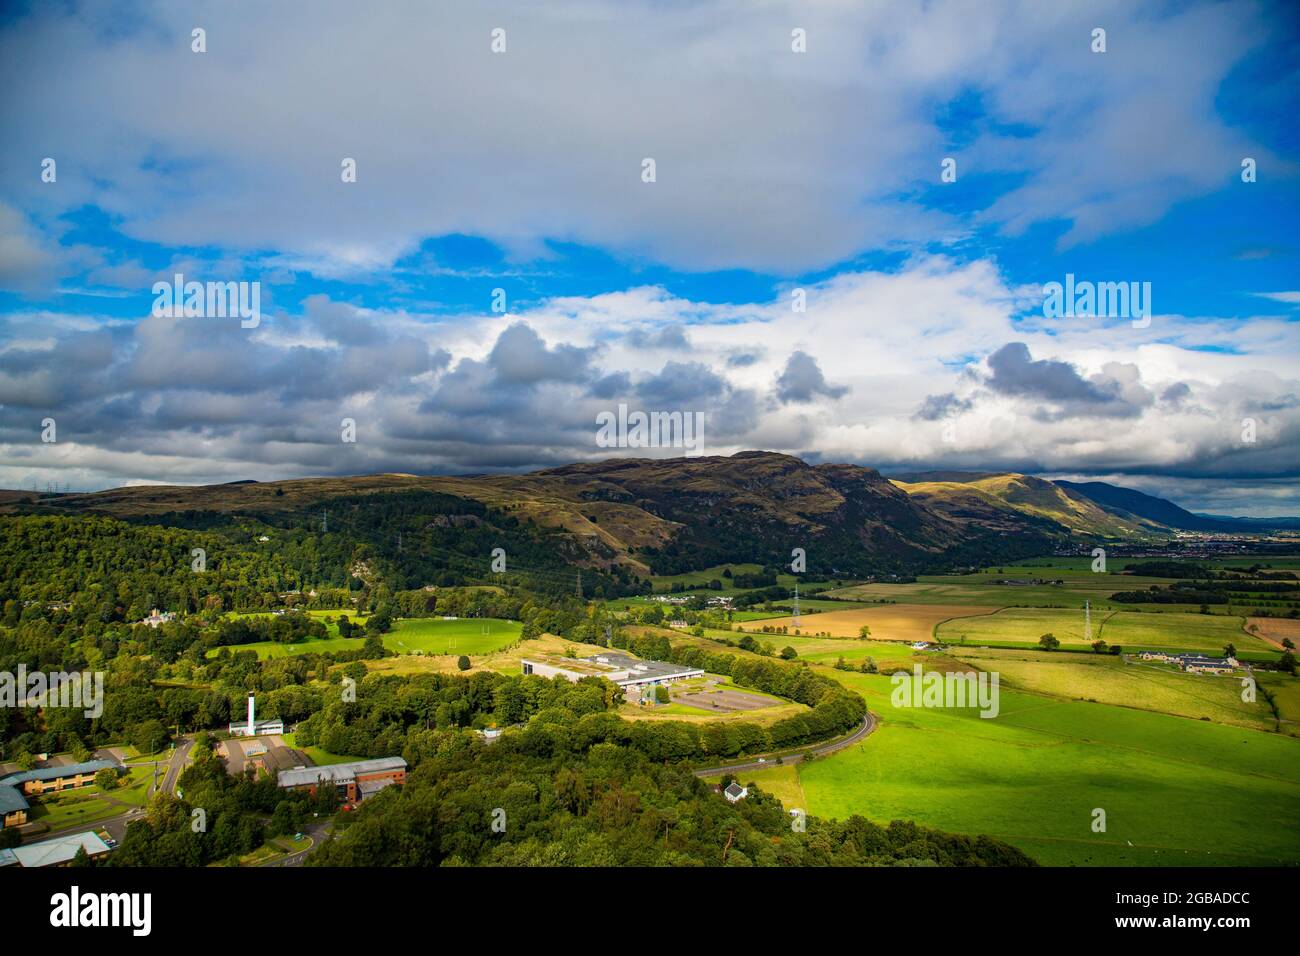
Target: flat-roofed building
[48,779]
[61,851]
[622,669]
[253,727]
[354,781]
[261,728]
[277,758]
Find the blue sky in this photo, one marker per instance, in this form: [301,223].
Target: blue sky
[923,343]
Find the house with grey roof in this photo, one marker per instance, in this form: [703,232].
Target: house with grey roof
[734,792]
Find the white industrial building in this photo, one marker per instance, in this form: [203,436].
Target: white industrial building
[256,728]
[622,669]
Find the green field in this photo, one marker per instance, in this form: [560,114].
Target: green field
[701,579]
[1130,629]
[1180,791]
[431,635]
[1138,684]
[979,588]
[425,635]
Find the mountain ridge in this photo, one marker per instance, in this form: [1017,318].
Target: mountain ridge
[672,515]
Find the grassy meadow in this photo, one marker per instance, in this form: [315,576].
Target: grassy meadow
[423,635]
[1175,791]
[1131,629]
[1187,772]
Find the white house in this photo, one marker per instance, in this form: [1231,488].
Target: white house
[156,617]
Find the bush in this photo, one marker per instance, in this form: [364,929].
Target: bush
[463,663]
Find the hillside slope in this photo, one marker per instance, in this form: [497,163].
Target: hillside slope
[1138,506]
[1012,500]
[663,516]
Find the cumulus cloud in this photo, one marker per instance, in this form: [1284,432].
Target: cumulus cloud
[936,407]
[520,357]
[193,400]
[802,381]
[1115,390]
[757,168]
[26,259]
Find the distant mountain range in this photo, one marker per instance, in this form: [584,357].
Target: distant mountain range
[667,516]
[1131,511]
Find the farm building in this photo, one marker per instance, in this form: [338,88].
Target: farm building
[735,792]
[622,669]
[1196,664]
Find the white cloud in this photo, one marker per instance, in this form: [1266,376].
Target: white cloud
[766,159]
[193,400]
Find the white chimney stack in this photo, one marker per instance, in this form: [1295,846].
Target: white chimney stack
[252,729]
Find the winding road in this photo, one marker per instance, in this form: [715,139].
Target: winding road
[868,725]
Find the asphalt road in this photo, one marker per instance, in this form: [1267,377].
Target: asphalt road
[177,764]
[317,832]
[116,825]
[868,725]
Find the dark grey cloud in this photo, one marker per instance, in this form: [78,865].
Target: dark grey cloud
[1114,392]
[936,407]
[666,337]
[1176,395]
[520,357]
[679,383]
[1015,372]
[611,385]
[802,381]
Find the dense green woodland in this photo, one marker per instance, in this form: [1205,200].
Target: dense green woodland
[612,806]
[112,570]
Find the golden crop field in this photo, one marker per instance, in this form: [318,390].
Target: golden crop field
[890,622]
[1274,629]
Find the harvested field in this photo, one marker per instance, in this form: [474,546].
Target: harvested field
[1274,629]
[893,622]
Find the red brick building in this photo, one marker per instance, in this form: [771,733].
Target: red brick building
[354,781]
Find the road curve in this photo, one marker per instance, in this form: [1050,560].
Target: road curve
[868,725]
